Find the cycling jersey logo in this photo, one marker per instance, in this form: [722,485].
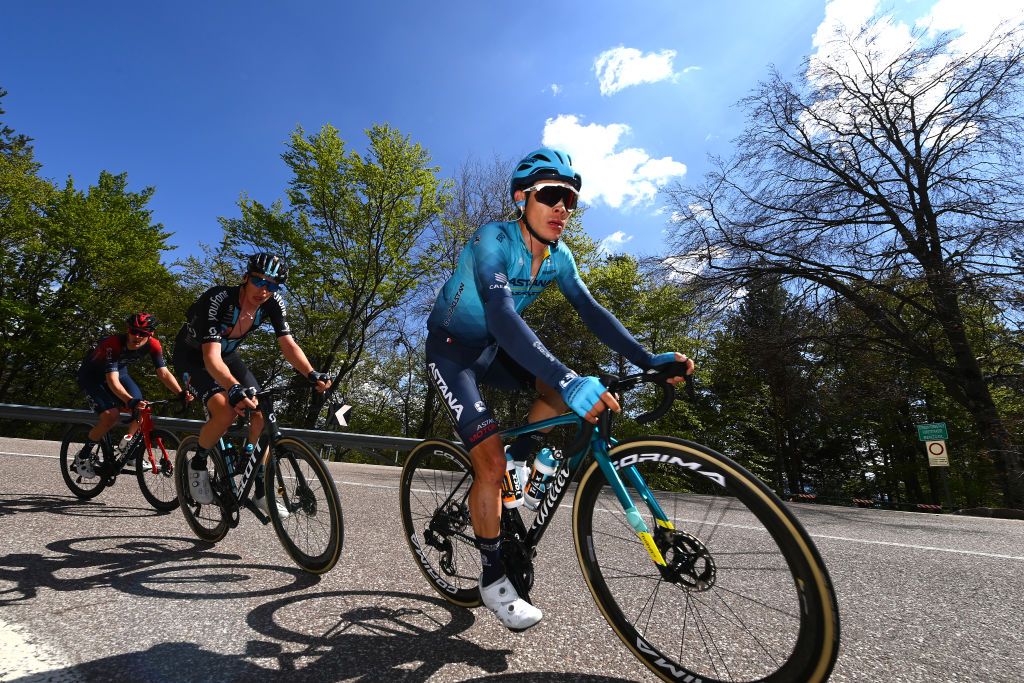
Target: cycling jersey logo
[454,303]
[564,382]
[445,392]
[543,351]
[480,406]
[500,281]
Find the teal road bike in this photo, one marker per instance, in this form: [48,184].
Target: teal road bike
[697,566]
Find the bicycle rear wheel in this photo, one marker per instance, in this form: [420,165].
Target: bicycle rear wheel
[156,474]
[74,444]
[744,595]
[298,479]
[209,522]
[435,515]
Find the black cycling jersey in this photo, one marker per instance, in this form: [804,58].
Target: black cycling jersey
[214,316]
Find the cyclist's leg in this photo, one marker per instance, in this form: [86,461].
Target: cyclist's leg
[505,373]
[455,378]
[103,403]
[132,388]
[220,415]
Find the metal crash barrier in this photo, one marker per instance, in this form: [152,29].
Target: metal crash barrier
[369,444]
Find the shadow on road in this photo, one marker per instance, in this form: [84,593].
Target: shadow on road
[161,567]
[12,503]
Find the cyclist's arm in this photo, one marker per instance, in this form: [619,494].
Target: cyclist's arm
[505,324]
[216,366]
[597,318]
[116,388]
[168,380]
[296,357]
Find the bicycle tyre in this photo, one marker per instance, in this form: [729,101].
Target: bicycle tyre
[157,485]
[72,443]
[297,477]
[434,500]
[723,570]
[210,522]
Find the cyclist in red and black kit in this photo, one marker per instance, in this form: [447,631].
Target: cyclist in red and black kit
[104,378]
[206,350]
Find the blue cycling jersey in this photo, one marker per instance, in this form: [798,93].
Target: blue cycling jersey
[492,283]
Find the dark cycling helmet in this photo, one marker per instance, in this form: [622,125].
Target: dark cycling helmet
[142,323]
[544,163]
[270,265]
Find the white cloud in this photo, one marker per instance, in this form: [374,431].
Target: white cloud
[627,176]
[614,242]
[622,67]
[555,89]
[972,22]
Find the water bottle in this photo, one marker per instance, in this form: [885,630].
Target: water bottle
[544,465]
[227,449]
[511,488]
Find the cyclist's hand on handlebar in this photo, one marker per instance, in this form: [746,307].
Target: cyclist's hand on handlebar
[242,399]
[320,379]
[185,396]
[672,357]
[588,398]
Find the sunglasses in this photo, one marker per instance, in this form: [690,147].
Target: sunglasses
[263,282]
[140,333]
[550,195]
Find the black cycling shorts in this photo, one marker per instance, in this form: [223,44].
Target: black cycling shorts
[188,362]
[457,372]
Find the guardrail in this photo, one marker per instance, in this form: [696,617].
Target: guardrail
[370,444]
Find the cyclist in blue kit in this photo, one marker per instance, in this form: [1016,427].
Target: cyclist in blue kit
[476,336]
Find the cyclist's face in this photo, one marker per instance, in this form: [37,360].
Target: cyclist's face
[137,340]
[255,294]
[548,221]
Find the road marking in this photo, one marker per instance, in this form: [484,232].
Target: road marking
[24,655]
[692,521]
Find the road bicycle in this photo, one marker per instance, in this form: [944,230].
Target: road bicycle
[151,451]
[700,570]
[295,481]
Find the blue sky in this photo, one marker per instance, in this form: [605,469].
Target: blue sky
[198,99]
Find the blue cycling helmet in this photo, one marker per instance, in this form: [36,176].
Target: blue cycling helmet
[544,163]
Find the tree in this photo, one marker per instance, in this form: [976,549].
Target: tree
[883,168]
[354,235]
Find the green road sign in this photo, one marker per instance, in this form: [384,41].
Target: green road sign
[936,431]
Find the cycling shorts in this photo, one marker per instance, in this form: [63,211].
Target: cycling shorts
[190,365]
[99,395]
[458,371]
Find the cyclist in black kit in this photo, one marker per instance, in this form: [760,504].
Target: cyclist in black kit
[206,349]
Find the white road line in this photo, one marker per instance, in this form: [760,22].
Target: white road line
[737,526]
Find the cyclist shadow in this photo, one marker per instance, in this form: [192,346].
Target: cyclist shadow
[132,564]
[367,636]
[13,503]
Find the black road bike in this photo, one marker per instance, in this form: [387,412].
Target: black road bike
[151,451]
[697,566]
[294,478]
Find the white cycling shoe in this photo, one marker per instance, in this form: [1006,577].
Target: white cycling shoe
[83,465]
[199,486]
[515,613]
[261,504]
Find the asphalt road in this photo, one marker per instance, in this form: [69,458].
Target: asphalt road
[108,590]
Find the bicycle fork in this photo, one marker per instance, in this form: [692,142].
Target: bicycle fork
[633,516]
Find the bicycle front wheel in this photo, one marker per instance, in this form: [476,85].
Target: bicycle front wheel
[154,470]
[297,482]
[435,515]
[209,522]
[82,485]
[743,594]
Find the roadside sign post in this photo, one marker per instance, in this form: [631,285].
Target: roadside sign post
[934,435]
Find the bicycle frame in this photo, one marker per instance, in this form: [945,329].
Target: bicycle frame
[559,483]
[254,463]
